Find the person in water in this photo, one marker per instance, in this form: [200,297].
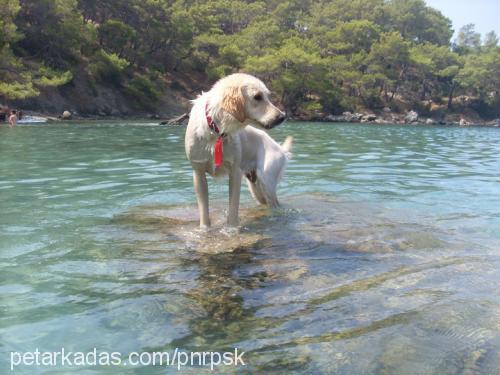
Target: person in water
[13,118]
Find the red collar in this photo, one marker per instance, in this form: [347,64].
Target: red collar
[218,153]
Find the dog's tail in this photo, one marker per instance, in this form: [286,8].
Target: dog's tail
[287,146]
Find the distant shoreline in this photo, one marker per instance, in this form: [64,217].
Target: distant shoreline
[356,118]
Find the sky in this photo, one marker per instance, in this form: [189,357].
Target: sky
[483,13]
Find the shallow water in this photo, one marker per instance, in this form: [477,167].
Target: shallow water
[384,257]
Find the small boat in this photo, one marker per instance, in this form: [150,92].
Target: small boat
[27,119]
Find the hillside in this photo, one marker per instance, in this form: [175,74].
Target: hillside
[84,98]
[320,58]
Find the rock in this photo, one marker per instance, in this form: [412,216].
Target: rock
[430,121]
[333,118]
[66,115]
[411,117]
[369,117]
[348,116]
[352,117]
[394,118]
[495,123]
[463,122]
[386,109]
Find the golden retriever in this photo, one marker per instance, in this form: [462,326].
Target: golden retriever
[220,141]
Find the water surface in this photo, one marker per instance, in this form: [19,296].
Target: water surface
[384,257]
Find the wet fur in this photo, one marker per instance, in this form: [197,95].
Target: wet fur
[232,105]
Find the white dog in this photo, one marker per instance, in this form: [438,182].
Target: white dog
[219,141]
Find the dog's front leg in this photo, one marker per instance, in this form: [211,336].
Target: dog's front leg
[234,196]
[201,189]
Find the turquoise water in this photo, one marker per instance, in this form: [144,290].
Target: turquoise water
[384,257]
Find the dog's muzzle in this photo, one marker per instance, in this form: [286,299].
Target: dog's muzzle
[278,120]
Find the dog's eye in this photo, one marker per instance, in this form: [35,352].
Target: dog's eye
[258,97]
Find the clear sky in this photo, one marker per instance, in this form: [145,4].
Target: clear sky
[485,14]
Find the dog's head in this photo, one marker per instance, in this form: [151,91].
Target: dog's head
[246,98]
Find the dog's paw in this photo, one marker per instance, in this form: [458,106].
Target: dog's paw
[204,228]
[230,230]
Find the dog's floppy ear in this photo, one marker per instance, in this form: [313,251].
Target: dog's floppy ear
[233,102]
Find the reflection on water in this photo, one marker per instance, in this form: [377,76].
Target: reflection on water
[383,258]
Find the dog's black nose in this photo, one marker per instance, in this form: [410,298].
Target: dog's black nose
[278,120]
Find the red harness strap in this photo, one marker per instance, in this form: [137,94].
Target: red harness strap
[218,154]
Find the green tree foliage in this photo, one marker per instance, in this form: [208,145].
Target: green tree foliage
[20,79]
[142,90]
[8,30]
[417,22]
[490,40]
[348,38]
[53,31]
[481,73]
[434,71]
[390,57]
[295,70]
[9,64]
[468,40]
[326,55]
[116,36]
[108,68]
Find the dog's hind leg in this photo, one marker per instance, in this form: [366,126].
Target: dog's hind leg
[263,192]
[256,192]
[272,174]
[268,189]
[255,189]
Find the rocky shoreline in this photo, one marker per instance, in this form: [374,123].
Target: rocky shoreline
[385,117]
[411,117]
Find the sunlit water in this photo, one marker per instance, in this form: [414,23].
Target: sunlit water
[384,257]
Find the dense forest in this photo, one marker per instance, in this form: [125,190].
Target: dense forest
[317,56]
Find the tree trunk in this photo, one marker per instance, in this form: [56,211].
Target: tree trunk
[424,91]
[179,120]
[450,95]
[394,92]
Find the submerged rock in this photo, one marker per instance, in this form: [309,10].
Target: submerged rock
[304,221]
[180,224]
